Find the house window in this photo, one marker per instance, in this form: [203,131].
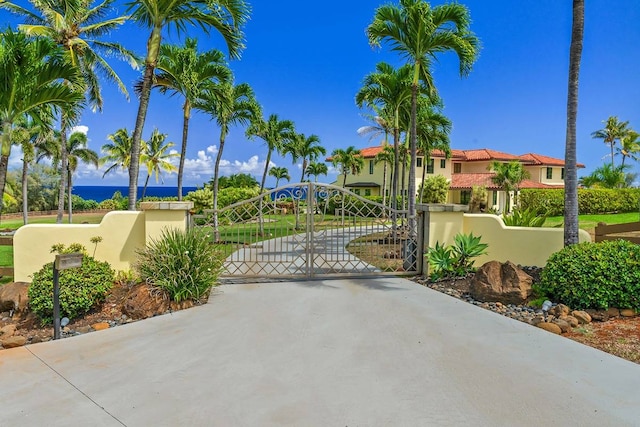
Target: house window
[495,198]
[370,167]
[367,192]
[386,192]
[357,191]
[549,173]
[419,162]
[465,197]
[457,168]
[430,166]
[443,163]
[562,173]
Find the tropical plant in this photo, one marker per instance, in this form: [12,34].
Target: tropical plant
[433,132]
[606,176]
[118,152]
[629,146]
[224,16]
[478,202]
[34,75]
[387,158]
[182,70]
[435,189]
[76,26]
[614,130]
[419,32]
[155,155]
[275,133]
[524,218]
[80,288]
[508,177]
[184,264]
[317,169]
[77,151]
[305,148]
[348,161]
[455,260]
[279,173]
[236,180]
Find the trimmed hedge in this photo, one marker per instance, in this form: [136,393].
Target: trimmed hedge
[590,201]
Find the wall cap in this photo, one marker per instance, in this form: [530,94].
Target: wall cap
[168,206]
[438,207]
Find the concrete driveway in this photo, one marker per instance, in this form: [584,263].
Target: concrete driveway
[360,352]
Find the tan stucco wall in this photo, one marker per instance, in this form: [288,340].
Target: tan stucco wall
[520,245]
[122,233]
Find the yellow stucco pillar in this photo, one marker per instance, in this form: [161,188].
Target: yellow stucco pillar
[439,223]
[159,216]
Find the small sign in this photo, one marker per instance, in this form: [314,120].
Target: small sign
[66,261]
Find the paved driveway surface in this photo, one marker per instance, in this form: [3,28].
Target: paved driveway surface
[359,352]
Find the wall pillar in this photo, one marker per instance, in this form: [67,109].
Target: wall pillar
[437,223]
[159,216]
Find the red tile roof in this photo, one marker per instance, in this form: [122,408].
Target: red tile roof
[465,181]
[539,159]
[485,154]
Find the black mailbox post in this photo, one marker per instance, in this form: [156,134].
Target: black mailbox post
[62,262]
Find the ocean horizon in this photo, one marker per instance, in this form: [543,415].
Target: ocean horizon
[105,192]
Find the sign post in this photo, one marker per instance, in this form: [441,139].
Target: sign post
[62,262]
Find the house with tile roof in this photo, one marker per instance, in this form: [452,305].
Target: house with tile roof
[464,169]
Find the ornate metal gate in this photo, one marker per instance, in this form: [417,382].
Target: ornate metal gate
[309,230]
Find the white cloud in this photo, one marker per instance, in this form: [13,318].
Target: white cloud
[81,128]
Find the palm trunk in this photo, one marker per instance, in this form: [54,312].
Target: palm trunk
[69,201]
[25,207]
[384,184]
[144,189]
[183,150]
[394,181]
[424,176]
[344,179]
[5,152]
[63,169]
[153,46]
[412,167]
[266,169]
[215,185]
[571,176]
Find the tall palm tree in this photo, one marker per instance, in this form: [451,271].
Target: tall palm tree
[614,130]
[182,70]
[228,105]
[224,16]
[389,90]
[386,157]
[34,75]
[275,133]
[156,157]
[418,32]
[305,148]
[77,152]
[118,152]
[571,229]
[349,161]
[433,133]
[606,177]
[279,173]
[76,26]
[317,169]
[629,145]
[508,176]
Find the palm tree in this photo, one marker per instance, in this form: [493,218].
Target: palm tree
[389,90]
[279,173]
[385,156]
[224,16]
[76,25]
[77,152]
[156,158]
[508,176]
[614,130]
[606,177]
[419,32]
[317,169]
[349,161]
[181,70]
[304,148]
[571,228]
[34,72]
[433,133]
[228,105]
[275,133]
[629,145]
[118,152]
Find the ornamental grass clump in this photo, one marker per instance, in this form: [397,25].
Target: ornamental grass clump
[81,288]
[185,264]
[594,275]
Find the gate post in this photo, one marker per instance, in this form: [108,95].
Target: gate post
[161,215]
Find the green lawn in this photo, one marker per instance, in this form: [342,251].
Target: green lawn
[589,222]
[15,223]
[6,256]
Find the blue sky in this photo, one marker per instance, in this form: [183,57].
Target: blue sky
[307,60]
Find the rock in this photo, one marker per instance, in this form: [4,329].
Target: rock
[83,329]
[7,331]
[550,327]
[15,341]
[582,316]
[628,312]
[495,281]
[560,310]
[598,315]
[564,325]
[142,302]
[613,312]
[100,326]
[536,320]
[573,322]
[36,340]
[14,296]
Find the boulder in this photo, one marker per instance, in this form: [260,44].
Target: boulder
[100,326]
[14,296]
[495,281]
[550,327]
[613,312]
[560,310]
[582,316]
[143,302]
[15,341]
[7,331]
[598,315]
[628,312]
[563,324]
[571,320]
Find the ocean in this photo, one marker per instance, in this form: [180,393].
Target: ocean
[104,192]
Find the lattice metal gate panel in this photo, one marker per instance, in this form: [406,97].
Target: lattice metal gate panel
[309,230]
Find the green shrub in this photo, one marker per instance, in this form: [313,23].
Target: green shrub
[80,288]
[590,201]
[455,260]
[594,275]
[436,189]
[523,218]
[80,204]
[183,263]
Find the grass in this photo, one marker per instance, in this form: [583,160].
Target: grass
[15,223]
[589,222]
